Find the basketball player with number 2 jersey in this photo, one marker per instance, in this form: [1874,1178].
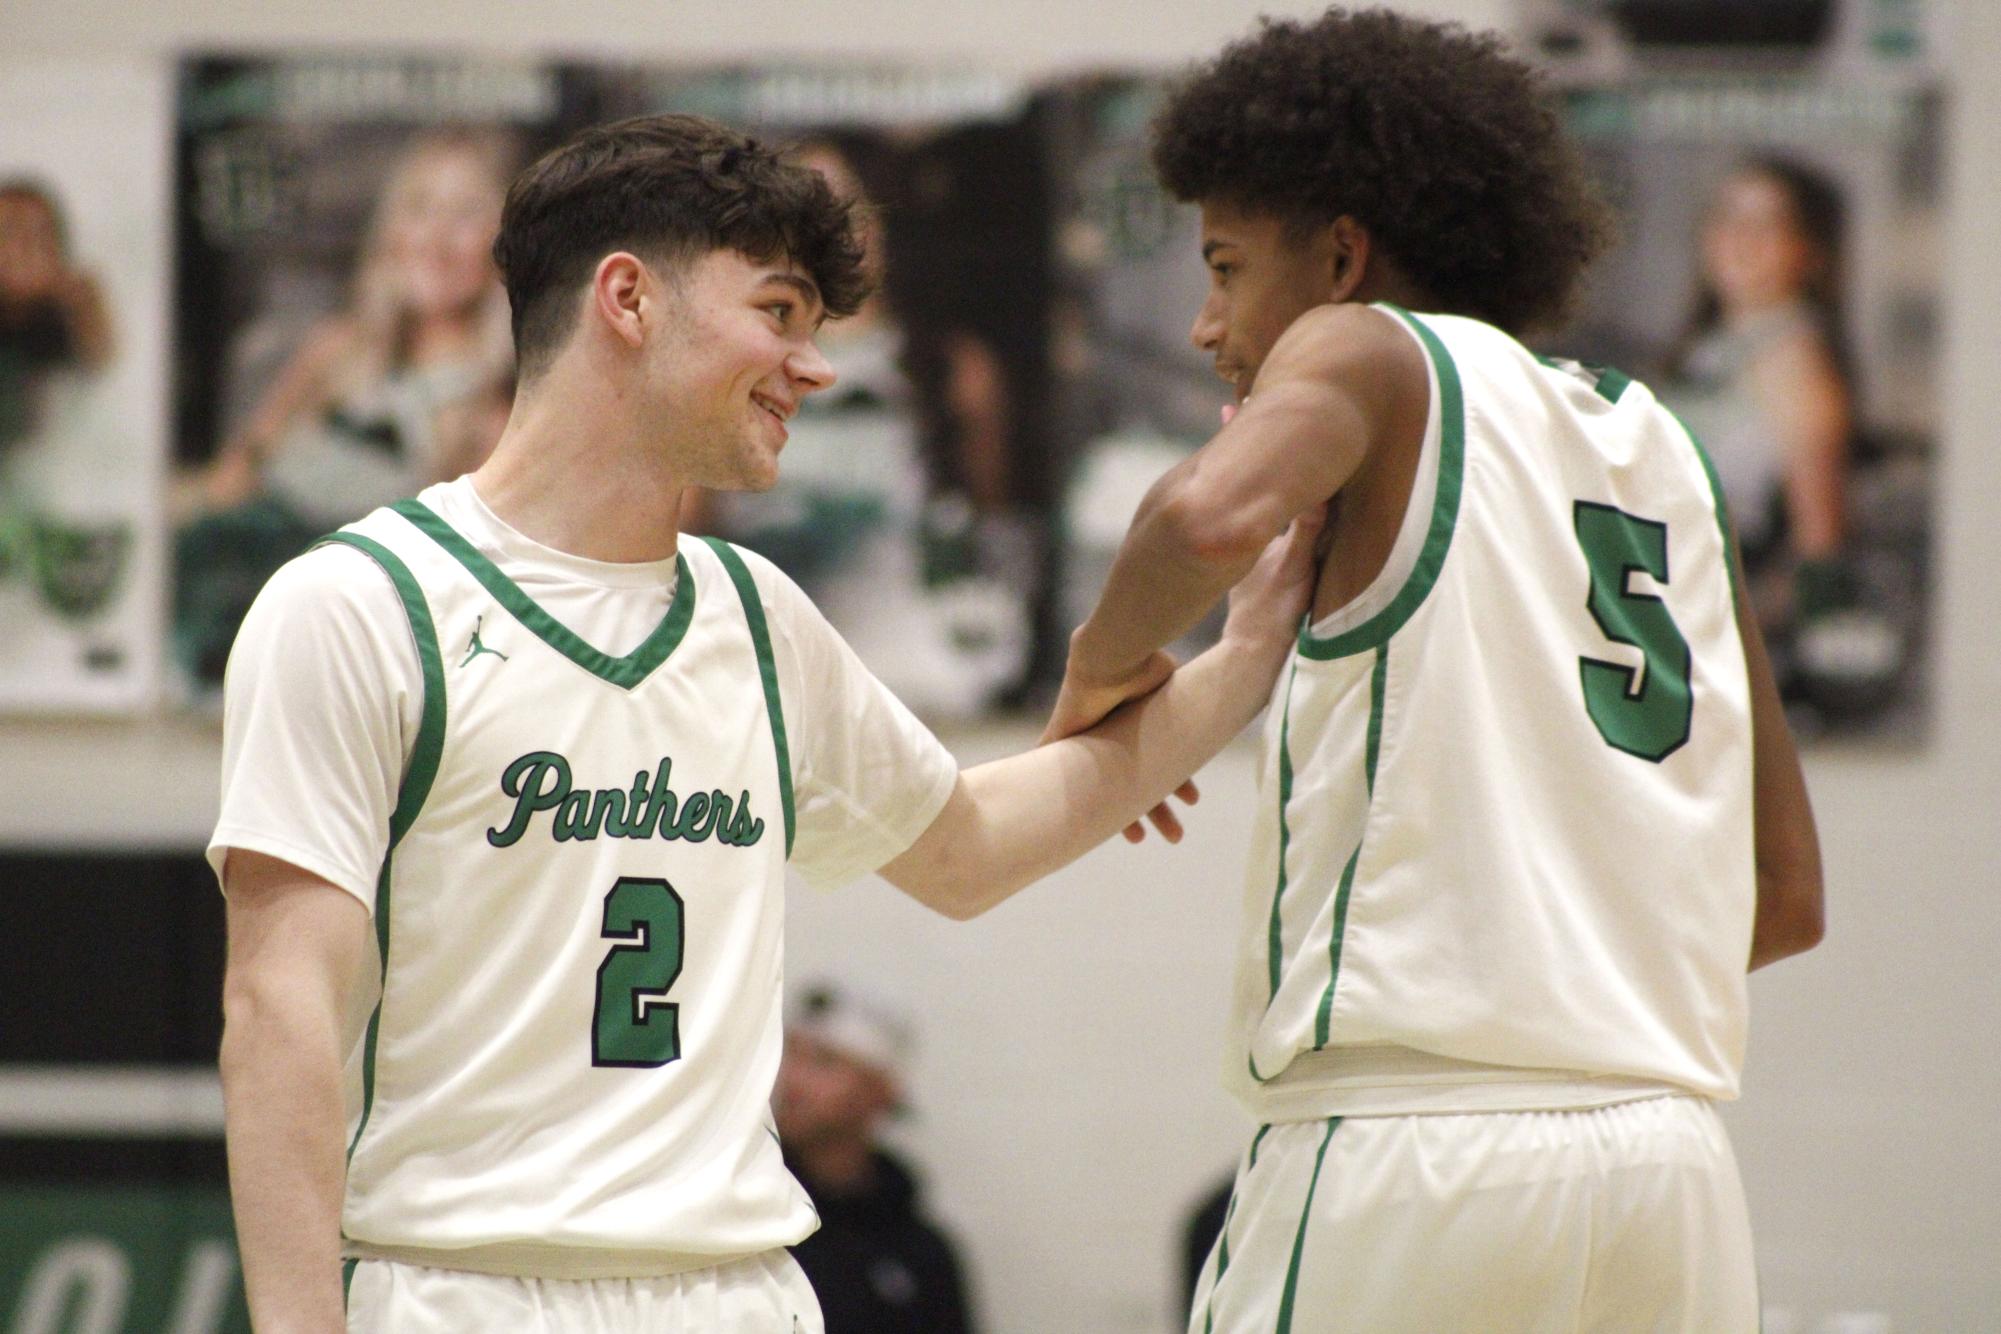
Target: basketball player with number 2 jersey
[513,770]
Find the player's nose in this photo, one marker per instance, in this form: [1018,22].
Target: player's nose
[1207,331]
[811,371]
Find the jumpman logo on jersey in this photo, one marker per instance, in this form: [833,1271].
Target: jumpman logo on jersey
[474,647]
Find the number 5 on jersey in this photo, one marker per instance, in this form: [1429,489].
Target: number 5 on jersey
[635,1025]
[1647,714]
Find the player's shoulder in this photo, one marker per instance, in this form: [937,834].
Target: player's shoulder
[1368,348]
[333,582]
[776,591]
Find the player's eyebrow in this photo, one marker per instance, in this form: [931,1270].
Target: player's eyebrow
[1209,249]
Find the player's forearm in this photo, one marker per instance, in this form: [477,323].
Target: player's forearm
[1173,566]
[1015,820]
[285,1130]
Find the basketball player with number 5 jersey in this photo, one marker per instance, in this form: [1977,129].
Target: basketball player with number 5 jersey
[1528,810]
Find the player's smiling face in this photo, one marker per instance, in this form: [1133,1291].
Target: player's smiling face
[1262,277]
[738,361]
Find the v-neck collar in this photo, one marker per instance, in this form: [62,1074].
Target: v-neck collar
[625,672]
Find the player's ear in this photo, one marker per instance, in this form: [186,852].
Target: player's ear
[619,289]
[1347,243]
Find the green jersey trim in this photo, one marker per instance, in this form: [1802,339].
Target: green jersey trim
[1722,512]
[1324,1019]
[1223,1237]
[767,670]
[1291,1290]
[1608,382]
[417,778]
[1275,947]
[1444,511]
[626,672]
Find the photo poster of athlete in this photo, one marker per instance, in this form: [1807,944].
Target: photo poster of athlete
[1776,281]
[915,497]
[1134,396]
[341,332]
[84,278]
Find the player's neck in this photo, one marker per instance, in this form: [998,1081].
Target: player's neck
[571,475]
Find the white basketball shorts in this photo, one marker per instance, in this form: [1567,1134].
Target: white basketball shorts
[1623,1218]
[762,1294]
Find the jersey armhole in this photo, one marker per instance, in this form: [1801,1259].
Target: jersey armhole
[1722,509]
[422,770]
[767,670]
[415,788]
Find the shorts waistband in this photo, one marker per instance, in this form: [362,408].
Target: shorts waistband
[1399,1081]
[541,1260]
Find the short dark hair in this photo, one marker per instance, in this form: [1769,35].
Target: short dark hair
[1428,135]
[666,188]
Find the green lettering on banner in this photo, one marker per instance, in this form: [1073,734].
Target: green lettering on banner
[134,1259]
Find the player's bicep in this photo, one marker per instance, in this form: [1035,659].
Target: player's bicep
[295,940]
[1338,384]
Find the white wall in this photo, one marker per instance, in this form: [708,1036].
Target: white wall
[1066,1097]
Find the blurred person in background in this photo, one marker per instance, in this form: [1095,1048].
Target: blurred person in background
[878,1265]
[52,314]
[851,516]
[406,386]
[1761,377]
[60,528]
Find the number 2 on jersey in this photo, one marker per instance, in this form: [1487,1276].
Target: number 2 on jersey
[1648,716]
[634,1024]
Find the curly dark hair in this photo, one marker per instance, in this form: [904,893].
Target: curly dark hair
[669,188]
[1441,145]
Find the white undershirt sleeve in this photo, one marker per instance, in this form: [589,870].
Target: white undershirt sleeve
[867,776]
[321,703]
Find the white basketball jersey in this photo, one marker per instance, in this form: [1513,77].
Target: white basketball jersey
[1503,855]
[579,924]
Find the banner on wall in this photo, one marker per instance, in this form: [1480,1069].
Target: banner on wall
[1781,293]
[342,338]
[915,498]
[83,296]
[343,341]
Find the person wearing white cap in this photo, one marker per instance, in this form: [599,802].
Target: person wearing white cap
[878,1265]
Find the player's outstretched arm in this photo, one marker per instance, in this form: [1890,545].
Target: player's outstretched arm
[1790,914]
[1010,822]
[296,946]
[1339,380]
